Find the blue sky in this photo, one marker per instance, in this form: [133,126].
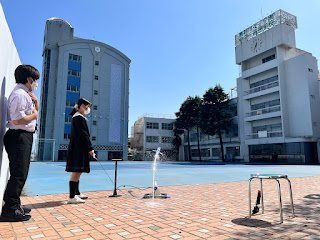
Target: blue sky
[178,48]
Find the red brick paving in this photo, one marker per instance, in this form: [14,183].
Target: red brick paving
[205,211]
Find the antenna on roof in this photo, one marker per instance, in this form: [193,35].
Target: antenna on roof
[261,10]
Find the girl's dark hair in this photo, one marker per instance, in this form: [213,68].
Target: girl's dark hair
[23,71]
[80,101]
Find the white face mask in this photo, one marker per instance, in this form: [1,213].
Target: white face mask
[34,86]
[87,111]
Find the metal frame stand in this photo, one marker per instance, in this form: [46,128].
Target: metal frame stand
[115,179]
[276,177]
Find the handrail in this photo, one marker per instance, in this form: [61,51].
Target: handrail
[264,111]
[269,134]
[262,87]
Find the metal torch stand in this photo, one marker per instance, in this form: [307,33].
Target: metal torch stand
[115,179]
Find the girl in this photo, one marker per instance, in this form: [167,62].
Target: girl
[80,148]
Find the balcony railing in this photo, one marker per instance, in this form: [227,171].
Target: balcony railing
[269,135]
[263,111]
[262,87]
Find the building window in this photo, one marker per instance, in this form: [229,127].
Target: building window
[95,92]
[267,59]
[166,139]
[269,128]
[70,103]
[194,153]
[281,152]
[66,136]
[74,73]
[44,101]
[93,138]
[233,131]
[152,139]
[205,152]
[68,119]
[233,151]
[73,88]
[95,107]
[272,103]
[264,81]
[96,63]
[233,110]
[94,123]
[216,152]
[74,58]
[152,125]
[167,126]
[96,77]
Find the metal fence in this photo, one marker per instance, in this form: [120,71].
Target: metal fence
[46,149]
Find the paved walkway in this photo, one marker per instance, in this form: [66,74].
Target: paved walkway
[206,211]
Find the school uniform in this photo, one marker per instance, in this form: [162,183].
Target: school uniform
[18,144]
[79,146]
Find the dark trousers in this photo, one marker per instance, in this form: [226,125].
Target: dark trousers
[18,144]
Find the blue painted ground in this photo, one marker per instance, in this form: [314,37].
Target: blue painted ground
[50,177]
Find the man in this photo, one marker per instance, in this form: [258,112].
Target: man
[22,113]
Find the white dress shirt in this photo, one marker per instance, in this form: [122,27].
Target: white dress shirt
[20,105]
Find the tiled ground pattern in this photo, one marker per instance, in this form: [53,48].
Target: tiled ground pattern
[206,211]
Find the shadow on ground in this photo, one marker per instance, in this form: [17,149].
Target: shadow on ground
[46,204]
[313,196]
[304,224]
[250,222]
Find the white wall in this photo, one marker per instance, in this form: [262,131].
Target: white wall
[300,85]
[9,60]
[280,34]
[158,132]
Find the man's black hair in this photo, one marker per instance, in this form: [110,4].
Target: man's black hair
[23,71]
[84,101]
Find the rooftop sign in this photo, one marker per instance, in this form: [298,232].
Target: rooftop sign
[265,24]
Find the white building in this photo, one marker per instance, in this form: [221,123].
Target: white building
[9,60]
[278,93]
[152,131]
[72,68]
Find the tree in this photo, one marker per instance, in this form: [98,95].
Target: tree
[181,123]
[215,118]
[195,118]
[189,117]
[176,142]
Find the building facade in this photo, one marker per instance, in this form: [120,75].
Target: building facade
[278,93]
[150,132]
[72,68]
